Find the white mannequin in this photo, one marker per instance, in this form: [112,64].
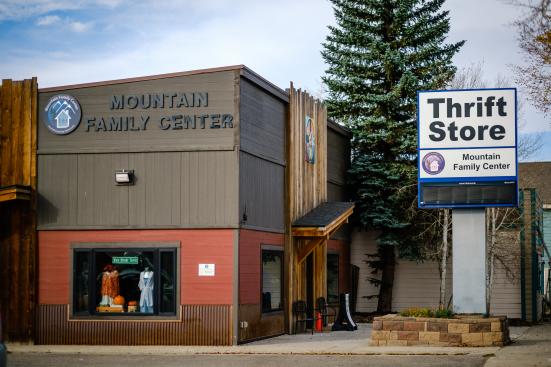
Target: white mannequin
[146,286]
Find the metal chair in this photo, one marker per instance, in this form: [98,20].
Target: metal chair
[325,311]
[300,313]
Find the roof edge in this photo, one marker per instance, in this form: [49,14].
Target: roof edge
[143,78]
[338,128]
[264,84]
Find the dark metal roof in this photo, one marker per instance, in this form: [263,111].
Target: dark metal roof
[341,129]
[323,215]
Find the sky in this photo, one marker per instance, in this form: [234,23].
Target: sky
[75,41]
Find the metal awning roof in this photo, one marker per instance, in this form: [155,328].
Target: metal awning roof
[323,220]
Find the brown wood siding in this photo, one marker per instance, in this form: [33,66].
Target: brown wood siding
[260,325]
[200,325]
[262,122]
[342,248]
[172,189]
[261,193]
[306,189]
[307,182]
[95,101]
[18,140]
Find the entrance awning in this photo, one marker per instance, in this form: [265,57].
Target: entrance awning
[323,220]
[15,192]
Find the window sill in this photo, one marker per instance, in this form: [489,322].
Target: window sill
[131,318]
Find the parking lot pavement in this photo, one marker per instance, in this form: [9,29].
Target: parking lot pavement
[70,360]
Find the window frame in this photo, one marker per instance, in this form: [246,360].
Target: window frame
[280,252]
[92,248]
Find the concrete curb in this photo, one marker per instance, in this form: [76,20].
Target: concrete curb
[236,350]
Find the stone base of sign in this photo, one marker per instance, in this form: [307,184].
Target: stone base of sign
[460,331]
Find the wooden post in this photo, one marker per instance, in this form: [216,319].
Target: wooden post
[18,131]
[306,188]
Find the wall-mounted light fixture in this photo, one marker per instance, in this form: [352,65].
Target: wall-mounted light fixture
[124,177]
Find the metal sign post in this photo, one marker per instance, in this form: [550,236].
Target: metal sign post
[467,156]
[469,260]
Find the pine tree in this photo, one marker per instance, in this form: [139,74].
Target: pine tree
[378,55]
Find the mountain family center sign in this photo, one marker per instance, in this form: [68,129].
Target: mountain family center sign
[130,112]
[467,148]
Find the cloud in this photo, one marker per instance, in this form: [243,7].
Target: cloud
[23,9]
[80,27]
[47,20]
[110,3]
[17,9]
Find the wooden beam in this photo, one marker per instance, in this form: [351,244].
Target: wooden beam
[337,223]
[311,246]
[309,231]
[15,193]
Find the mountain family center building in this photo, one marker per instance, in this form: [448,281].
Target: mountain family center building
[192,208]
[186,208]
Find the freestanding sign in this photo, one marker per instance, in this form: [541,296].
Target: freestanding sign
[467,148]
[467,153]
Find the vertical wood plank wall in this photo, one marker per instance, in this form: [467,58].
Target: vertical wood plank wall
[306,188]
[18,131]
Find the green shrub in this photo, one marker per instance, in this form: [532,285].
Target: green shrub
[443,313]
[427,312]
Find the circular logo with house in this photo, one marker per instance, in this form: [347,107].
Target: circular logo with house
[62,114]
[433,163]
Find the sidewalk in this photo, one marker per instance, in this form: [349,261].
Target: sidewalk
[532,348]
[332,343]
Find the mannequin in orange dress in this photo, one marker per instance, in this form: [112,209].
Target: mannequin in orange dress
[109,284]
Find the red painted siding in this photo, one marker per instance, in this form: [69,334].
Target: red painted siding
[249,262]
[211,246]
[343,249]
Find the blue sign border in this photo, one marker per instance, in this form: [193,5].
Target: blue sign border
[459,180]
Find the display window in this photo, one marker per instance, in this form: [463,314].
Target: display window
[332,278]
[272,280]
[124,281]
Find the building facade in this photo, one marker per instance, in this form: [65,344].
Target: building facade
[163,208]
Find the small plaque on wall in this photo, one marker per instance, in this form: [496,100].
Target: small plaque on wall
[206,270]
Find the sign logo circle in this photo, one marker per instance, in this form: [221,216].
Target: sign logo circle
[62,114]
[433,163]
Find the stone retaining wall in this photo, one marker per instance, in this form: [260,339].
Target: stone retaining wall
[394,330]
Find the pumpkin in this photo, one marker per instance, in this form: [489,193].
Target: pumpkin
[118,300]
[132,303]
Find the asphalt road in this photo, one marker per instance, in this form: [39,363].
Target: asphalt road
[71,360]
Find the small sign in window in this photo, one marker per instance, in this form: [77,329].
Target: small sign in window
[124,260]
